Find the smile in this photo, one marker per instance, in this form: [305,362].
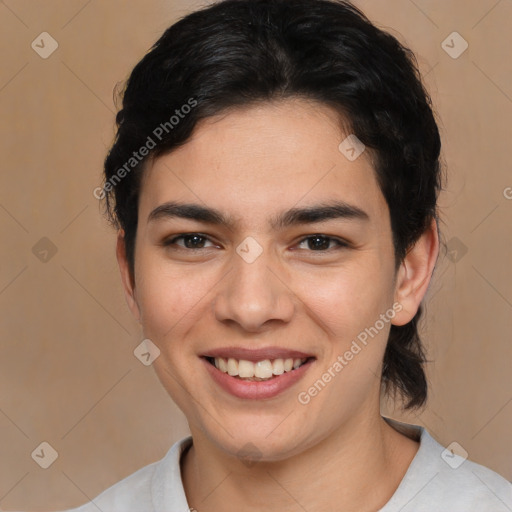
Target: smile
[256,371]
[256,374]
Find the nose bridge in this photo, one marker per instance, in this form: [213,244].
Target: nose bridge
[252,294]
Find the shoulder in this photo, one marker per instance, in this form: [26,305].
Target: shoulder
[146,489]
[470,486]
[438,479]
[130,494]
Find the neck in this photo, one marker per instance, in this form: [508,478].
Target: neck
[357,467]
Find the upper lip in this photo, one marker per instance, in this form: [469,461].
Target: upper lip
[256,354]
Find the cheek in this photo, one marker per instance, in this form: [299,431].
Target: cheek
[349,304]
[347,299]
[169,297]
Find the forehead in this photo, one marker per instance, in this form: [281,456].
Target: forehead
[260,160]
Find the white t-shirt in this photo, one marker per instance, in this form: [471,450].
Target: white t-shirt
[436,481]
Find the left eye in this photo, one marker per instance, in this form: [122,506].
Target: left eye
[191,241]
[321,242]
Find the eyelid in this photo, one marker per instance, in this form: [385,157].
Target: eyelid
[171,240]
[339,241]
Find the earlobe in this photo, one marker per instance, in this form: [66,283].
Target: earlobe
[126,276]
[414,274]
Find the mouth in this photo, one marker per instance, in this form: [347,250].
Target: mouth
[259,371]
[256,373]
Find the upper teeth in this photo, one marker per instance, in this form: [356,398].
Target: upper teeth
[261,369]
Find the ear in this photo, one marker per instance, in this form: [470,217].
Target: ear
[414,274]
[126,276]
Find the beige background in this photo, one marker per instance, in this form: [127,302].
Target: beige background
[68,375]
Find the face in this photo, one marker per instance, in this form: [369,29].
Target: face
[260,241]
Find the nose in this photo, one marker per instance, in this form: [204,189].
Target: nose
[254,295]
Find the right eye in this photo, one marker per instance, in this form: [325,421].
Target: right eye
[193,241]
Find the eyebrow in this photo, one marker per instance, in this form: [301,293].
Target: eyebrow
[292,217]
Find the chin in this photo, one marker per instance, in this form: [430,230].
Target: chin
[258,439]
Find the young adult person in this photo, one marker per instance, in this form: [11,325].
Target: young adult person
[274,181]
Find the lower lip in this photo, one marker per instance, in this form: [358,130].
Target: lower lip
[256,390]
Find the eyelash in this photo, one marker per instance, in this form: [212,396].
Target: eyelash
[340,243]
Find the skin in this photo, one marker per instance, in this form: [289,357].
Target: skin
[336,452]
